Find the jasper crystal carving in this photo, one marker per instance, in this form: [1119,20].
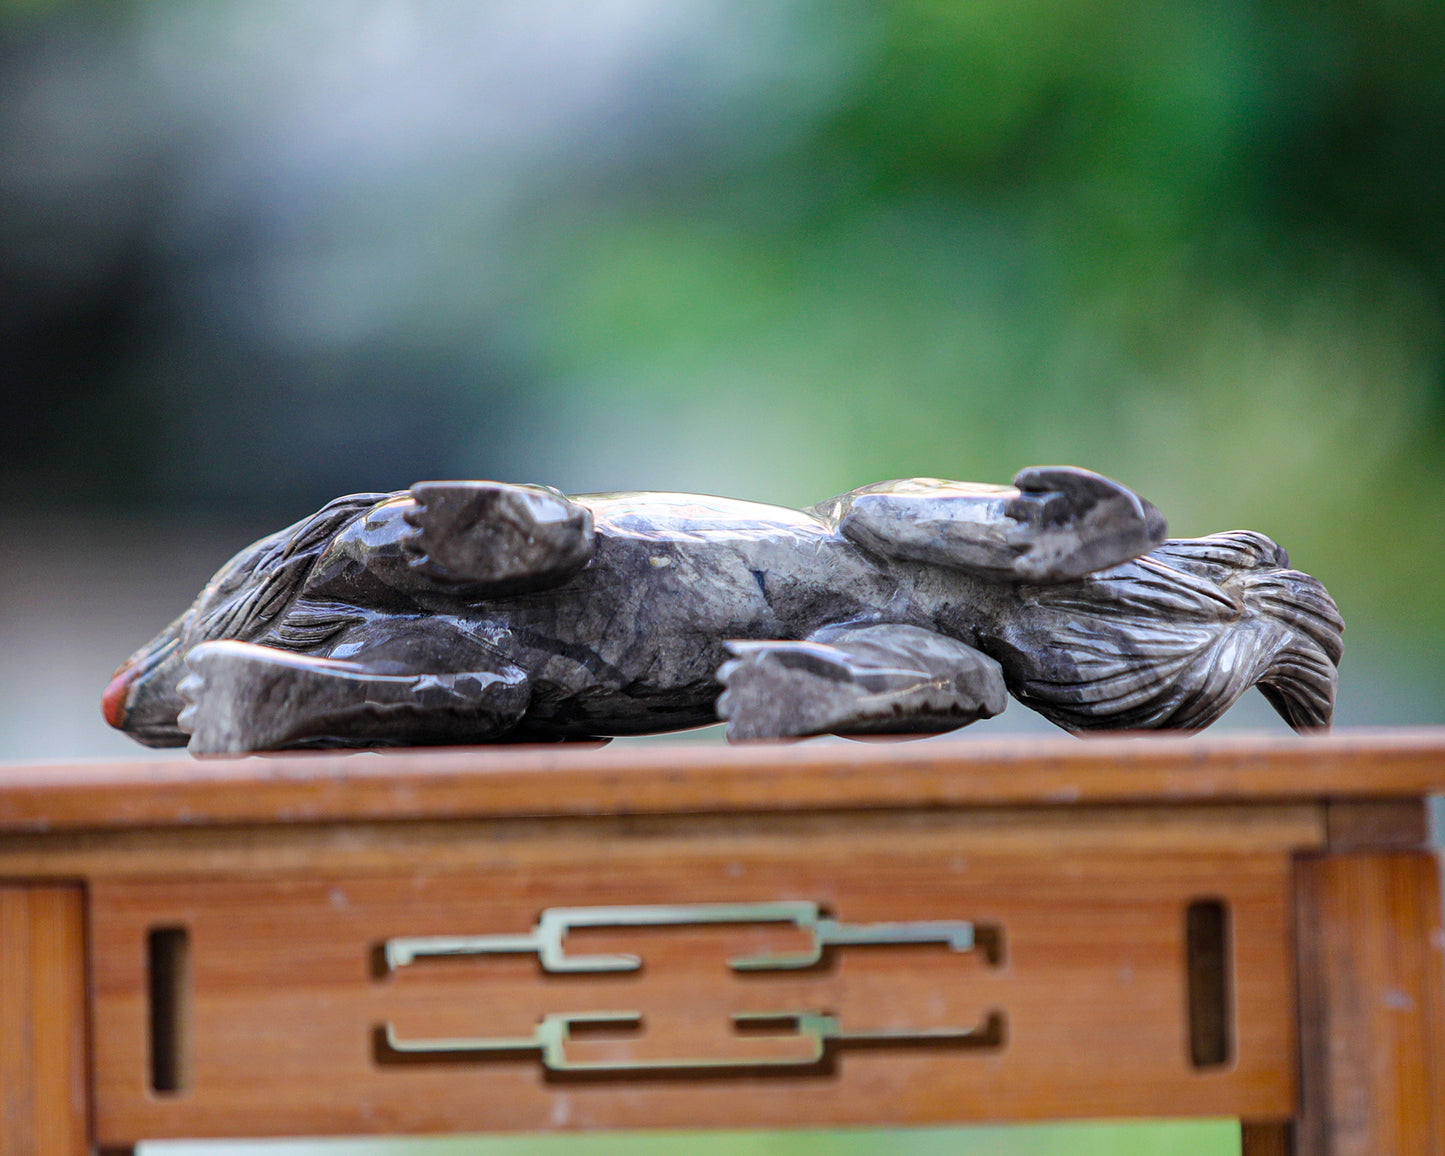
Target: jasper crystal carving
[479,612]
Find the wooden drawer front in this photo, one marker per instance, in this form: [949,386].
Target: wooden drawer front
[1079,989]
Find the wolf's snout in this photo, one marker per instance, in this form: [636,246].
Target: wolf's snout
[113,701]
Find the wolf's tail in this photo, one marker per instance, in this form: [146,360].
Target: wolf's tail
[1173,638]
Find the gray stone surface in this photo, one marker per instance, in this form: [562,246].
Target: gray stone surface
[469,612]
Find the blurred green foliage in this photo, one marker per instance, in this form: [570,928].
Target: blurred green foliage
[1206,1138]
[1197,246]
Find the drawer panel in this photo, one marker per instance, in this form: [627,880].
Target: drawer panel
[1094,985]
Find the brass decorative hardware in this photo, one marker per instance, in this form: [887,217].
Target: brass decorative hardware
[820,1030]
[546,938]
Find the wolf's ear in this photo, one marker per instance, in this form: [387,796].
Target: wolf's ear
[1054,524]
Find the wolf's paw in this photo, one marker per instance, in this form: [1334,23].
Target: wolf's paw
[885,679]
[784,689]
[500,538]
[242,697]
[1072,522]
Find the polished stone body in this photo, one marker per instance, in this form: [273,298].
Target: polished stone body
[480,612]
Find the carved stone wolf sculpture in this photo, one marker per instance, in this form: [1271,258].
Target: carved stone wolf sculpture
[471,612]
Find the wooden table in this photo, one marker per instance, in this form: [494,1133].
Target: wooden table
[669,936]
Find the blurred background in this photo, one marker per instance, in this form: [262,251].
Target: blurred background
[255,254]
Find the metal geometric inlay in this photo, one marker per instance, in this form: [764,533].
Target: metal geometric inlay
[819,1029]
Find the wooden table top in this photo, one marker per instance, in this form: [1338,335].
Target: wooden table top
[498,782]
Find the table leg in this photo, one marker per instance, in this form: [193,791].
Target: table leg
[1372,1005]
[44,1107]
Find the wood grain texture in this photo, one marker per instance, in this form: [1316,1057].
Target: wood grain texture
[491,844]
[287,872]
[1091,987]
[1372,988]
[499,782]
[44,1108]
[1377,824]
